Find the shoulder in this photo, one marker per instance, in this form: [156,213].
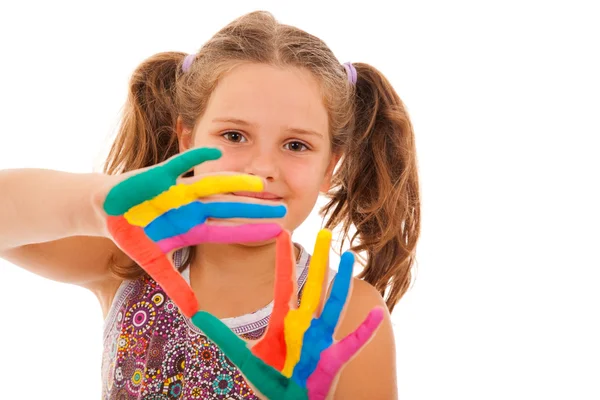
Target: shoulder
[371,374]
[364,296]
[362,299]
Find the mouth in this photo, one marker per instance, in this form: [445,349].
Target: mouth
[259,195]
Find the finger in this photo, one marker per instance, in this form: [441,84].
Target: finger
[297,321]
[243,210]
[265,378]
[180,220]
[204,233]
[316,273]
[334,358]
[147,254]
[176,221]
[339,294]
[271,348]
[178,195]
[151,183]
[319,335]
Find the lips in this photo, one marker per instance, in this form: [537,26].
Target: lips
[258,195]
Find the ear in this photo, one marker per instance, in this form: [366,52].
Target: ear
[326,184]
[184,135]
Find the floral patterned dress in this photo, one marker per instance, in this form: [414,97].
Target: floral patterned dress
[153,352]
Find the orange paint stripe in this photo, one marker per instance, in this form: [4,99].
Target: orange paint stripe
[133,241]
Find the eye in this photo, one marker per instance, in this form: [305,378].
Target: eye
[296,146]
[234,137]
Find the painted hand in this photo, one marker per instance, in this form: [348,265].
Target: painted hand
[149,215]
[297,357]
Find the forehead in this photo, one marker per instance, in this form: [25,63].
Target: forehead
[270,96]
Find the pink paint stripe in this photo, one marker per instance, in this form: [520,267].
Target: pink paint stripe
[333,359]
[221,234]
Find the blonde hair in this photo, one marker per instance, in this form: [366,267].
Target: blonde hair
[375,187]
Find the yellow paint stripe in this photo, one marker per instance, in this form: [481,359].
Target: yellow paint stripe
[179,195]
[297,321]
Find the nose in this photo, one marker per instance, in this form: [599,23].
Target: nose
[263,163]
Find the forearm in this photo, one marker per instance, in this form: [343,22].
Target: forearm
[38,205]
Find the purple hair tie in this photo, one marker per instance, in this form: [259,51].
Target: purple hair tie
[351,72]
[187,62]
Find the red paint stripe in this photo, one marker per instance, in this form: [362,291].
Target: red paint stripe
[272,349]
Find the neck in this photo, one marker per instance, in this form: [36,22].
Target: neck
[234,263]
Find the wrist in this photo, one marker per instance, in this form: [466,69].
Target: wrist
[87,215]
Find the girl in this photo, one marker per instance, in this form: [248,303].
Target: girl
[281,107]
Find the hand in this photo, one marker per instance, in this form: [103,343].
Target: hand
[296,358]
[149,214]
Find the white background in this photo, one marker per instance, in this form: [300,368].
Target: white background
[505,101]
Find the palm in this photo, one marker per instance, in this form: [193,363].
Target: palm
[297,357]
[149,215]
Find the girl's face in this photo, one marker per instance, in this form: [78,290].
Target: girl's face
[272,123]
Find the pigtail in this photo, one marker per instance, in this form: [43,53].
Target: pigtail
[376,187]
[147,132]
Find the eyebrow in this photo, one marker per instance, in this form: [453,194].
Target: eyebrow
[238,121]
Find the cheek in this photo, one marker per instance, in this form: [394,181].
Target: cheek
[300,184]
[303,184]
[305,176]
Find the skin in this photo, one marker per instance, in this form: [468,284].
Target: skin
[274,111]
[45,214]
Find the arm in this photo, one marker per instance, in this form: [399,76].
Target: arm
[372,373]
[48,225]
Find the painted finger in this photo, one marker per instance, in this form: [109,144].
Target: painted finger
[179,195]
[334,358]
[226,210]
[272,348]
[177,221]
[265,378]
[298,321]
[151,183]
[148,255]
[319,335]
[180,220]
[205,233]
[339,294]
